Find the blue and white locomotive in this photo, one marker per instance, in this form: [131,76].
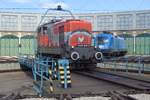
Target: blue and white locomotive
[110,45]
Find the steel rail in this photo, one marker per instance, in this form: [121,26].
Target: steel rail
[124,81]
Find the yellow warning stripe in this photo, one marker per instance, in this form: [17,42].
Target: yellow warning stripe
[69,81]
[63,76]
[61,72]
[68,71]
[61,67]
[50,72]
[51,88]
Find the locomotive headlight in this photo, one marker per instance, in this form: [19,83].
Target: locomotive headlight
[75,55]
[95,46]
[98,56]
[101,46]
[72,47]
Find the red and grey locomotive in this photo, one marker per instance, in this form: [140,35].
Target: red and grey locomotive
[71,39]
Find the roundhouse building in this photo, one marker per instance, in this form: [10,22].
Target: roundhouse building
[17,30]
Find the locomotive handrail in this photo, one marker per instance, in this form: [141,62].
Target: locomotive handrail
[56,9]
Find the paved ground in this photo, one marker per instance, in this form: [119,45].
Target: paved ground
[22,82]
[83,84]
[16,81]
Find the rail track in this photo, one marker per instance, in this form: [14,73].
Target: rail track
[130,82]
[113,95]
[118,96]
[130,58]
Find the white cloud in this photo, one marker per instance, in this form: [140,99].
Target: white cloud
[53,5]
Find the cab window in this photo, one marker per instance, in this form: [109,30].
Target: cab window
[102,40]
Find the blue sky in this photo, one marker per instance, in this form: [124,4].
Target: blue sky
[80,5]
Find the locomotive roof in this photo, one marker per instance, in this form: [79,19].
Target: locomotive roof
[107,32]
[108,35]
[59,20]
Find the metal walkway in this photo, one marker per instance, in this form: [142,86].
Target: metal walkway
[45,70]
